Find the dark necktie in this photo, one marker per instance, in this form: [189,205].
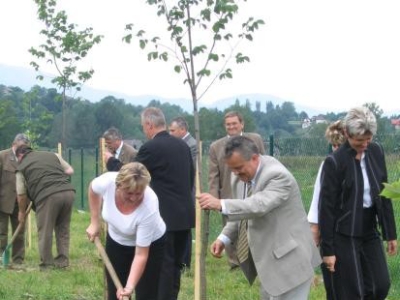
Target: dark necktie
[243,244]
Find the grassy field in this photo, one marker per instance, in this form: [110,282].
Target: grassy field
[84,279]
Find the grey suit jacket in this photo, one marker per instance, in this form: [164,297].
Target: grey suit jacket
[192,143]
[219,175]
[8,196]
[127,154]
[279,235]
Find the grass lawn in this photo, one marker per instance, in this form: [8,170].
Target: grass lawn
[83,280]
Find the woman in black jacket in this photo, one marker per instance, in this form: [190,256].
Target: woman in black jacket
[351,211]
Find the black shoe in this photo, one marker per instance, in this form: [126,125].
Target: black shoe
[184,268]
[233,267]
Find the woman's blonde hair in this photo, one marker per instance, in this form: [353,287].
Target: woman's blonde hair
[334,134]
[133,176]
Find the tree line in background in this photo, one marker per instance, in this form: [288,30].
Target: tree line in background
[38,112]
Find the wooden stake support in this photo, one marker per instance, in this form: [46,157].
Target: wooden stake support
[198,231]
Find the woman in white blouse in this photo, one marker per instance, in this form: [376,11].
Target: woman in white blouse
[135,232]
[334,134]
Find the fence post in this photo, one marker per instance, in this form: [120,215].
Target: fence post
[97,160]
[70,156]
[102,143]
[82,179]
[70,161]
[271,145]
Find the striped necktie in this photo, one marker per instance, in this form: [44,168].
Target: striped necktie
[242,247]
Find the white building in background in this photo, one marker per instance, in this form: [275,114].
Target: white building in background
[320,119]
[306,123]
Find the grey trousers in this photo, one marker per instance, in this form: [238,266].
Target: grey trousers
[230,250]
[18,247]
[53,214]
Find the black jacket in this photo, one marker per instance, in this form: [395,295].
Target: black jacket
[341,196]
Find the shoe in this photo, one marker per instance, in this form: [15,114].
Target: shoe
[17,267]
[233,267]
[18,261]
[61,267]
[185,268]
[61,262]
[45,267]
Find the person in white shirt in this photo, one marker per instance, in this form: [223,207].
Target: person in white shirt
[135,232]
[334,134]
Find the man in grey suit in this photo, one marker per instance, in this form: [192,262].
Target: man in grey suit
[280,248]
[179,128]
[219,175]
[120,150]
[8,199]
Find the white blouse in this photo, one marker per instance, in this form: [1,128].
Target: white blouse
[139,228]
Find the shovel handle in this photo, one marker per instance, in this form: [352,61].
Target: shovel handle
[20,225]
[108,265]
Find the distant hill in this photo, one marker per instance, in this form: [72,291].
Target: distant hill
[25,78]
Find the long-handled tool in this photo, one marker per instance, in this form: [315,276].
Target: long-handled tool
[6,254]
[109,265]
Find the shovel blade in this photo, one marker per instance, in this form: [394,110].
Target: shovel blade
[6,257]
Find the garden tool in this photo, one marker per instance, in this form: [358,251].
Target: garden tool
[6,254]
[108,265]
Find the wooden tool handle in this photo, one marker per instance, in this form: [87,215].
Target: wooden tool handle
[109,265]
[20,225]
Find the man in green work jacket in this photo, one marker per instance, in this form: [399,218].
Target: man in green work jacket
[44,178]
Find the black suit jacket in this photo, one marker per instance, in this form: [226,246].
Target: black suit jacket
[169,162]
[341,196]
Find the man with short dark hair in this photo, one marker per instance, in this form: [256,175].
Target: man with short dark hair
[114,143]
[180,129]
[8,199]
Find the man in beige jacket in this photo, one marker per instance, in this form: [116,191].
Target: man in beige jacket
[280,250]
[219,175]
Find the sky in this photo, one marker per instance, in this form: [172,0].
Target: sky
[330,55]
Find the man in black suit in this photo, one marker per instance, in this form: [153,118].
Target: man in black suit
[169,162]
[179,128]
